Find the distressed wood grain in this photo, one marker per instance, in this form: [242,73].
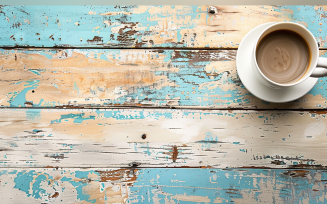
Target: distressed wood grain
[147,26]
[133,78]
[61,127]
[162,138]
[158,185]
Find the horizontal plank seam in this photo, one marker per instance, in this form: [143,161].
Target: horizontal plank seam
[114,48]
[120,48]
[167,108]
[145,167]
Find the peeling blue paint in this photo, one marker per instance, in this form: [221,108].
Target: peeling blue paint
[37,191]
[23,181]
[310,16]
[30,183]
[56,17]
[47,54]
[76,87]
[104,57]
[229,187]
[78,118]
[60,29]
[119,115]
[187,88]
[55,85]
[60,25]
[3,172]
[19,98]
[35,71]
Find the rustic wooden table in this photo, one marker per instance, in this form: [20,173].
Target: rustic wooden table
[142,104]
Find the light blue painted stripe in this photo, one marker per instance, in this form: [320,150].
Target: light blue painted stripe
[78,26]
[75,25]
[160,185]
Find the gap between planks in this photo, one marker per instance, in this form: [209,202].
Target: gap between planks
[120,48]
[163,108]
[178,167]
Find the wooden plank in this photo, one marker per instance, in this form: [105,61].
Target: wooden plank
[162,138]
[147,26]
[133,78]
[162,186]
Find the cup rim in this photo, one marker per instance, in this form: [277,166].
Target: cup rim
[314,61]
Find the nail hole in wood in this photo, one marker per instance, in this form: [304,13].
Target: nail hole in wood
[212,10]
[144,136]
[33,91]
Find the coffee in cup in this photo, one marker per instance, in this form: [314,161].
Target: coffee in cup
[283,56]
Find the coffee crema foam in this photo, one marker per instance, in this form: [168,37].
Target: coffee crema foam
[283,56]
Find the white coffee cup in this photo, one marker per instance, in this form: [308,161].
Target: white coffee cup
[317,66]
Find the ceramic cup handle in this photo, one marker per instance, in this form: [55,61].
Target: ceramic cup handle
[321,69]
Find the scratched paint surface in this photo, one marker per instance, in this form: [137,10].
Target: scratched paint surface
[147,26]
[136,77]
[162,138]
[164,186]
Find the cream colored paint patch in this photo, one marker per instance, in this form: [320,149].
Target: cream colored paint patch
[191,198]
[315,128]
[76,84]
[210,30]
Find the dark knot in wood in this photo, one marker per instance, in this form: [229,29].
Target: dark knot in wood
[212,10]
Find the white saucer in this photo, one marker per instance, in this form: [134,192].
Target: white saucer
[252,84]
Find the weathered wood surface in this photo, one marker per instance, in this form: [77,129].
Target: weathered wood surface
[164,186]
[133,77]
[46,150]
[147,26]
[162,138]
